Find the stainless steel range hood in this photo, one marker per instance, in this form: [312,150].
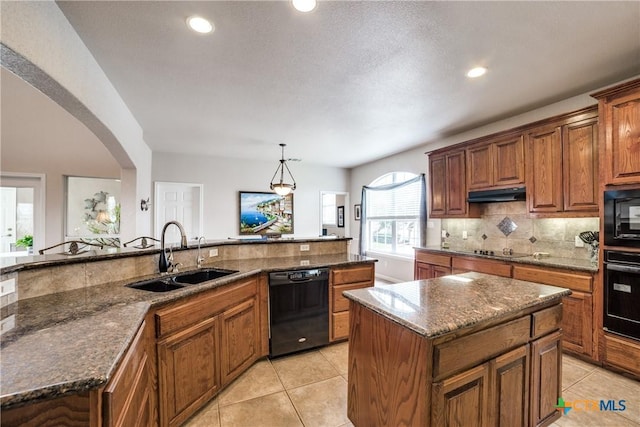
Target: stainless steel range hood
[503,195]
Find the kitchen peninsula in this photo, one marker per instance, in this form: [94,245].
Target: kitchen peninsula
[79,347]
[470,349]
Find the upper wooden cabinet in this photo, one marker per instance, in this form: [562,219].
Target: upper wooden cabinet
[448,195]
[496,164]
[562,165]
[619,109]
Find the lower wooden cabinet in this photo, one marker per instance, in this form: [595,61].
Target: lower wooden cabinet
[130,398]
[487,266]
[345,279]
[240,339]
[546,387]
[429,265]
[189,370]
[510,388]
[622,354]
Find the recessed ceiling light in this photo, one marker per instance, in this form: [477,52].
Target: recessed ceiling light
[476,72]
[304,5]
[199,24]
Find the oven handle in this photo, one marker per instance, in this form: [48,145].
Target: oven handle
[623,268]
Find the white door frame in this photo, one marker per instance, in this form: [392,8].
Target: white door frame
[39,199]
[347,210]
[157,206]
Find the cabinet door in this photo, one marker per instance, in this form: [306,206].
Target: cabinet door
[544,169]
[462,400]
[480,170]
[622,150]
[437,185]
[456,189]
[129,398]
[510,389]
[577,322]
[188,370]
[508,161]
[439,271]
[422,271]
[546,365]
[580,165]
[240,338]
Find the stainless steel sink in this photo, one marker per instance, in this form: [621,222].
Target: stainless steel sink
[202,275]
[155,285]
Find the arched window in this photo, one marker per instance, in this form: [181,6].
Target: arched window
[393,213]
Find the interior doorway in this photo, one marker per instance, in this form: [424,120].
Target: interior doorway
[334,213]
[181,202]
[22,214]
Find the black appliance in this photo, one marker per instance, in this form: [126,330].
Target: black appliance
[503,195]
[622,218]
[298,310]
[622,293]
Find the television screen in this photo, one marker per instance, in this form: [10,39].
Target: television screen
[265,213]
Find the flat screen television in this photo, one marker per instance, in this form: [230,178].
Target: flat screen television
[263,213]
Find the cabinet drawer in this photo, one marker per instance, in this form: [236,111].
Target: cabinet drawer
[352,275]
[496,268]
[462,353]
[181,314]
[340,328]
[622,353]
[433,259]
[340,303]
[566,279]
[545,321]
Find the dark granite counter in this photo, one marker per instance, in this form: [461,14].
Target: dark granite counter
[557,262]
[435,307]
[70,342]
[9,264]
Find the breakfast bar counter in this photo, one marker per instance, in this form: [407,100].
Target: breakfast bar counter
[456,350]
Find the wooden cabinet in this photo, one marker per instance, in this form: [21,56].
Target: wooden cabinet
[496,164]
[429,265]
[130,397]
[619,109]
[189,370]
[345,279]
[204,342]
[240,339]
[578,308]
[447,185]
[461,264]
[562,166]
[510,388]
[622,354]
[546,387]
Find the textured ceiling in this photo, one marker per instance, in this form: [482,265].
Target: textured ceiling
[350,82]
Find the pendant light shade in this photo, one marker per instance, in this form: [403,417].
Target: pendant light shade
[281,187]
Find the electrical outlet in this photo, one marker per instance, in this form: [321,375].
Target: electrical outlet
[464,235]
[304,247]
[578,242]
[431,224]
[444,234]
[304,262]
[213,252]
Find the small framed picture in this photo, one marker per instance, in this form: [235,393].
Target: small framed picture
[356,212]
[340,216]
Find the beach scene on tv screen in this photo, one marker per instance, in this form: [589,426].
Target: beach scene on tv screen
[266,213]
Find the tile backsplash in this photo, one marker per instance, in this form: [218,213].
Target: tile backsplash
[508,225]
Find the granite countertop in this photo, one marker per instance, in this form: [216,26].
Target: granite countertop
[557,262]
[11,264]
[436,307]
[71,342]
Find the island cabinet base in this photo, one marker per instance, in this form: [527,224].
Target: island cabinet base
[506,374]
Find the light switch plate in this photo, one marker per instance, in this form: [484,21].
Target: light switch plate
[7,287]
[213,252]
[464,235]
[578,242]
[304,247]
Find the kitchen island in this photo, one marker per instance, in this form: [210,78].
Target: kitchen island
[462,350]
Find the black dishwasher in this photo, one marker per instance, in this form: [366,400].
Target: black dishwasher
[298,310]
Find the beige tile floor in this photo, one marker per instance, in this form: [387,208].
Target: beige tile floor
[310,389]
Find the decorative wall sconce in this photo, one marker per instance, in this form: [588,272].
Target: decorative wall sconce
[144,204]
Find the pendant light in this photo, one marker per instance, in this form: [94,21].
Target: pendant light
[281,187]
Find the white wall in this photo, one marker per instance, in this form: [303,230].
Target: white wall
[415,160]
[40,45]
[222,178]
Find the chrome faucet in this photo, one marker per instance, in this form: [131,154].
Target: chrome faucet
[163,264]
[200,258]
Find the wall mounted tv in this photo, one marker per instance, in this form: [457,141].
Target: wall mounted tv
[265,213]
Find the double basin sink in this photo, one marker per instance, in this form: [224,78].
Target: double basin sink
[181,280]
